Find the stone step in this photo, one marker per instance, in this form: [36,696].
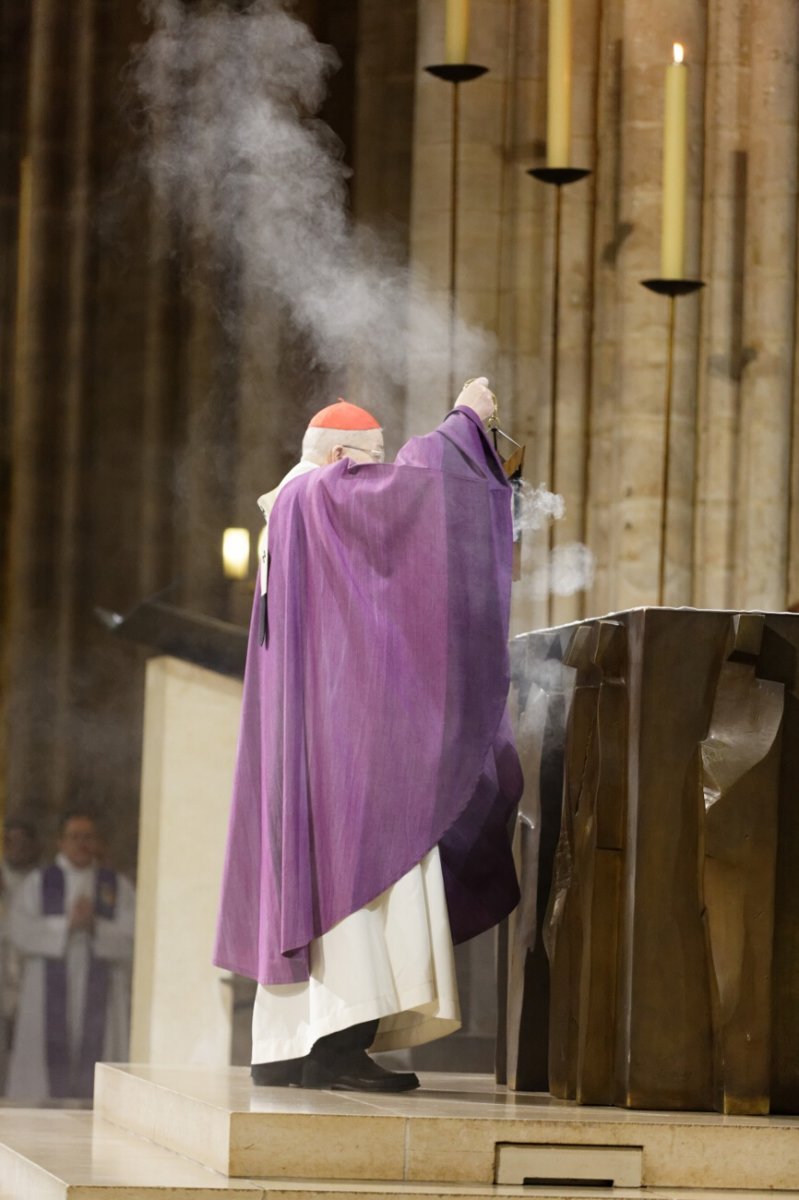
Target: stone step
[457,1130]
[48,1154]
[71,1155]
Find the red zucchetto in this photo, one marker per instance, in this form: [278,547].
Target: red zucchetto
[343,415]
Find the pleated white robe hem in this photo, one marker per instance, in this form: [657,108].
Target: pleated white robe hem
[392,961]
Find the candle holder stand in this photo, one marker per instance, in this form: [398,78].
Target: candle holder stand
[672,289]
[558,177]
[456,74]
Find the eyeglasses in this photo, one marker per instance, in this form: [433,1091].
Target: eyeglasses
[375,455]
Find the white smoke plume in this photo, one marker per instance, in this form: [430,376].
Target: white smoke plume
[235,152]
[570,568]
[236,156]
[533,507]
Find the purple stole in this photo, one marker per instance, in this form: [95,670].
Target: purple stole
[75,1079]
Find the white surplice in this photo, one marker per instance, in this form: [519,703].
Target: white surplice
[10,963]
[267,502]
[391,960]
[39,937]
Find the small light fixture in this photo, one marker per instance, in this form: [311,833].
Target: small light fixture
[236,553]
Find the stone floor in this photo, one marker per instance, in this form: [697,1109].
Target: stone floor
[192,1133]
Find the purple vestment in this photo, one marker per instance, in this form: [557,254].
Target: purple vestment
[373,723]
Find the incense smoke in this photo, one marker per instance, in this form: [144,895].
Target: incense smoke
[534,506]
[235,153]
[250,177]
[571,569]
[571,566]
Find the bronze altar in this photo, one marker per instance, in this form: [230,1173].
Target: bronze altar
[654,959]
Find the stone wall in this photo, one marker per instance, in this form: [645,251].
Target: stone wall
[732,530]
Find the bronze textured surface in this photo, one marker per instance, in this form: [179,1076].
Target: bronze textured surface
[740,760]
[672,916]
[542,690]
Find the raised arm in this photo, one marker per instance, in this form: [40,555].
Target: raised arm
[460,441]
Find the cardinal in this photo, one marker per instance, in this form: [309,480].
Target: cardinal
[376,770]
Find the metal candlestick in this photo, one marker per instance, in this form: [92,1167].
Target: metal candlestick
[559,177]
[672,288]
[454,73]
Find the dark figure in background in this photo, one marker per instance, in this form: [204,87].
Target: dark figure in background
[21,853]
[22,850]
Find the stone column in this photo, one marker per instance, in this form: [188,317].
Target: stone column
[69,551]
[480,158]
[268,433]
[210,361]
[647,39]
[723,355]
[609,236]
[13,36]
[576,301]
[523,327]
[37,357]
[160,390]
[760,578]
[387,68]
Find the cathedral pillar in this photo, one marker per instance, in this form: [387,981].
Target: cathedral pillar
[647,36]
[524,324]
[609,236]
[723,353]
[35,499]
[576,301]
[482,117]
[74,373]
[769,313]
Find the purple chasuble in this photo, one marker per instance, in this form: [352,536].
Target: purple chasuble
[374,724]
[68,1078]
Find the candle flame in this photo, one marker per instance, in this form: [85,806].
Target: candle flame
[679,52]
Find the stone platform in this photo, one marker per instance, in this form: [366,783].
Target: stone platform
[193,1133]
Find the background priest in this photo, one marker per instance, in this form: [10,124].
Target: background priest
[21,853]
[376,770]
[72,923]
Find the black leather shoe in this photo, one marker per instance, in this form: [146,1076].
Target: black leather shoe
[278,1074]
[355,1073]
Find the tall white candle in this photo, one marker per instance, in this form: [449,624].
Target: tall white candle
[675,157]
[457,34]
[559,84]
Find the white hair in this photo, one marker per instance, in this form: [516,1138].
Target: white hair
[319,441]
